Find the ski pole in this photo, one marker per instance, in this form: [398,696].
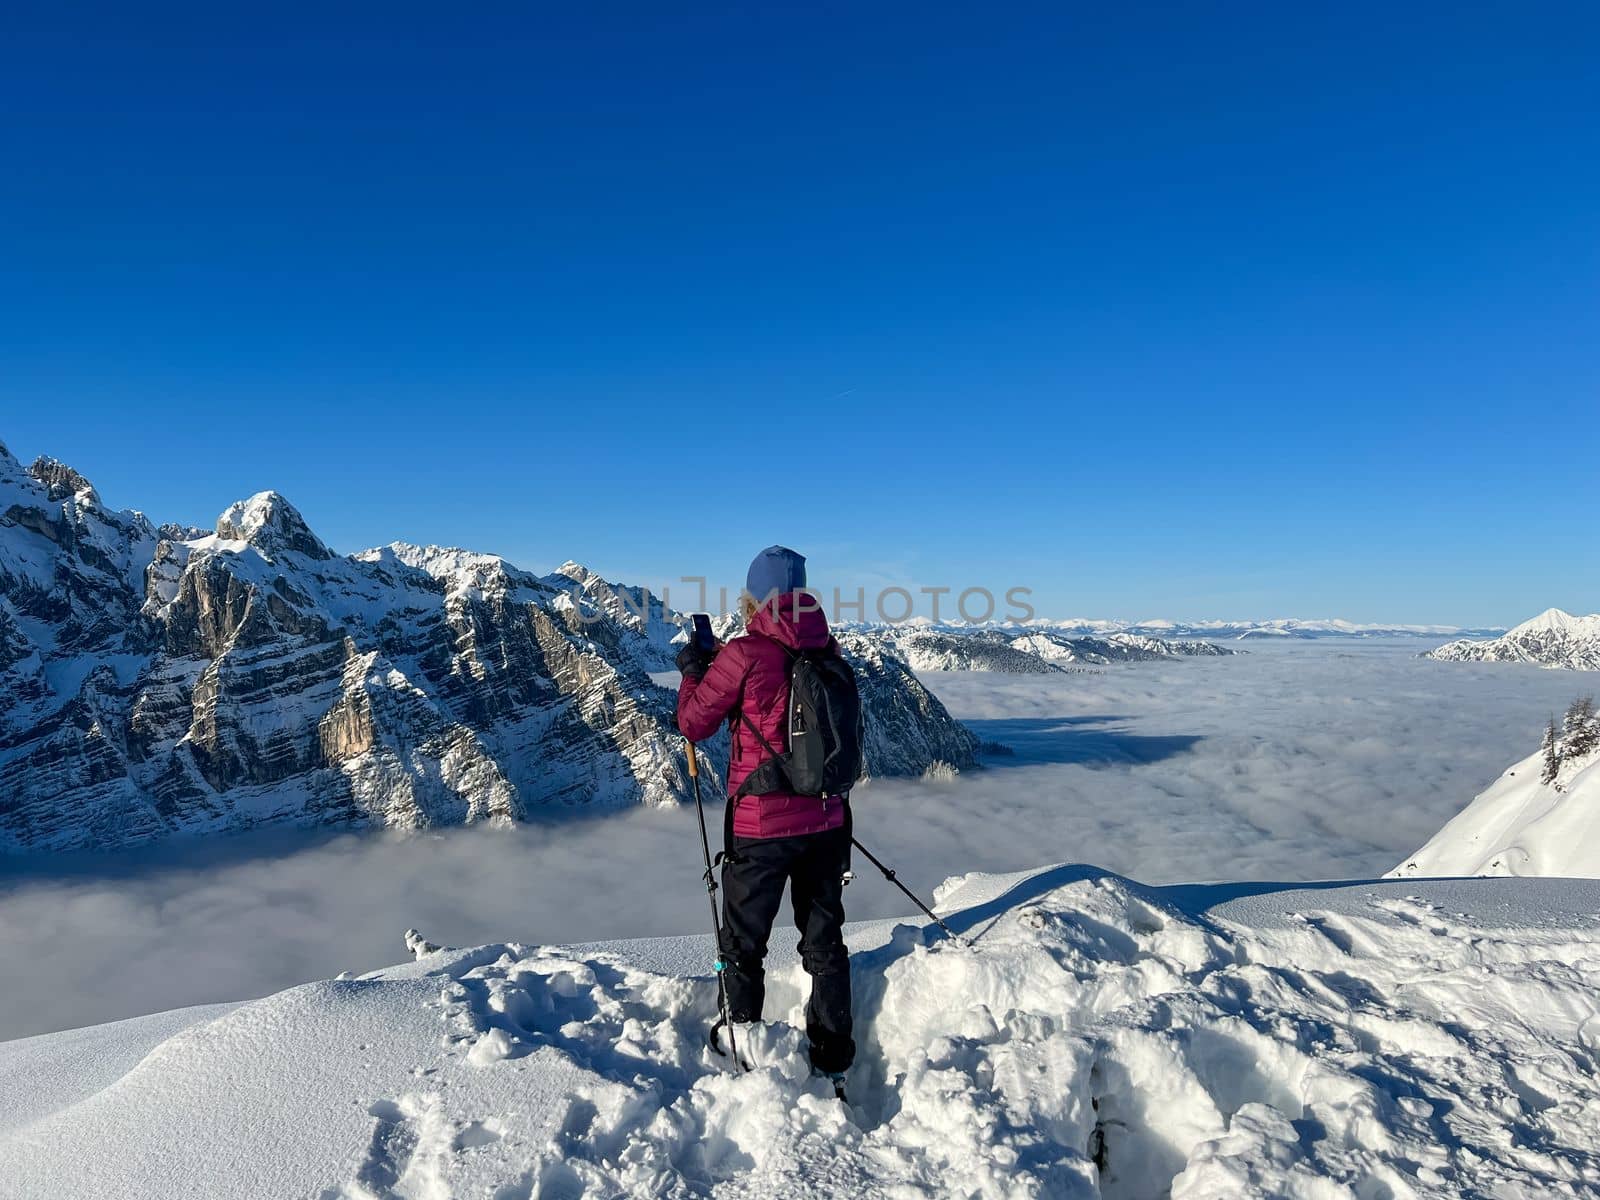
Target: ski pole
[888,873]
[726,1020]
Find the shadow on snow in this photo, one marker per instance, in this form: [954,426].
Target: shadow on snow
[1093,741]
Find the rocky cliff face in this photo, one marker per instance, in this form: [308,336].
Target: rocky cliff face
[908,730]
[168,682]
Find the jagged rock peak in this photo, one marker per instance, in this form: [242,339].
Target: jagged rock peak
[580,574]
[170,531]
[61,480]
[270,523]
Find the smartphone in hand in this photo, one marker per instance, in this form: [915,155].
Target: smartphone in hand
[700,634]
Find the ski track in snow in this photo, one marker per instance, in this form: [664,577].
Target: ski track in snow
[1099,1038]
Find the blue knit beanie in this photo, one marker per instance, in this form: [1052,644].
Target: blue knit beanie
[777,569]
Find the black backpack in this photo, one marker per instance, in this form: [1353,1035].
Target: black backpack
[825,731]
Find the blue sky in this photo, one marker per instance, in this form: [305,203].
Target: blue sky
[1224,311]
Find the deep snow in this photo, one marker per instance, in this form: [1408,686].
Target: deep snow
[1401,1038]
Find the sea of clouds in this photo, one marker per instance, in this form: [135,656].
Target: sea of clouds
[1296,761]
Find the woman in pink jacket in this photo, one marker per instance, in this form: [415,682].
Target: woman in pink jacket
[777,838]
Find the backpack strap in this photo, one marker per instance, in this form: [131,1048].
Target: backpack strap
[732,805]
[760,737]
[776,756]
[751,725]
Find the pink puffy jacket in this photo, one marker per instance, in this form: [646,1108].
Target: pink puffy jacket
[751,673]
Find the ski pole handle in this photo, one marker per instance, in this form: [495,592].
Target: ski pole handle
[694,764]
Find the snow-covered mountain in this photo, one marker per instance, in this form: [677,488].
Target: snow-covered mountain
[1098,1038]
[935,650]
[1553,639]
[169,681]
[1139,647]
[1542,817]
[1024,649]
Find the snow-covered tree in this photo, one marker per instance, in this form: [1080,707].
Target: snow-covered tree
[1580,731]
[1551,745]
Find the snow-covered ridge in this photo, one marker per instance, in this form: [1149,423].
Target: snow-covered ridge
[1554,639]
[1099,1038]
[1030,649]
[1542,817]
[180,682]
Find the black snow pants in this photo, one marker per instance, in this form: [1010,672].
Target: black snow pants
[753,879]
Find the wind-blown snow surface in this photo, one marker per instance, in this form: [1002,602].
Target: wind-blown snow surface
[1098,1038]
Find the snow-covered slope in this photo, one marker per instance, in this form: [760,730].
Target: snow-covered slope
[176,681]
[1098,1038]
[1531,821]
[1553,639]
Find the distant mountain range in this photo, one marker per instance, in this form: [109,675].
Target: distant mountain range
[1553,639]
[1284,627]
[160,681]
